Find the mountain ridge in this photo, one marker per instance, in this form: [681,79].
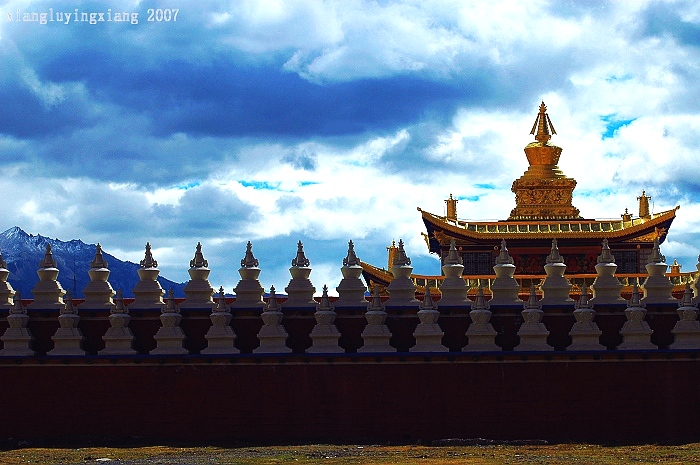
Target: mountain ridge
[22,252]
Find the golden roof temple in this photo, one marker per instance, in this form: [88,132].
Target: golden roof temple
[543,212]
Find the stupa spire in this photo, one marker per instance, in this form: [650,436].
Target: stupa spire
[351,259]
[351,289]
[198,290]
[148,261]
[376,303]
[249,261]
[583,302]
[635,301]
[300,259]
[48,261]
[325,300]
[119,303]
[554,256]
[687,299]
[18,308]
[543,125]
[532,302]
[198,261]
[453,257]
[480,301]
[68,299]
[272,304]
[606,256]
[221,301]
[99,261]
[504,257]
[427,303]
[401,257]
[656,255]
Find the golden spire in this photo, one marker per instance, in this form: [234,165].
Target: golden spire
[543,125]
[543,191]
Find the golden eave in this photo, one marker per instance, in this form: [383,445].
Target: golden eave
[583,229]
[376,271]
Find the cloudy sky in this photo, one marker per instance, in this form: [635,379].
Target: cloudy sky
[279,121]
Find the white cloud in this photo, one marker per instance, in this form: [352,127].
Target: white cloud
[275,189]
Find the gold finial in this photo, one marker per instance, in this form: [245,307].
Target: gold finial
[392,249]
[543,125]
[626,216]
[644,205]
[451,207]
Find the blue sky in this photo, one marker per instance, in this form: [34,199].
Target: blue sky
[279,121]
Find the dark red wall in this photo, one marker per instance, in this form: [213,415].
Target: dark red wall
[350,398]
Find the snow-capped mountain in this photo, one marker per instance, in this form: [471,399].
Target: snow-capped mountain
[23,252]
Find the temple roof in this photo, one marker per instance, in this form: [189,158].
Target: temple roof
[636,229]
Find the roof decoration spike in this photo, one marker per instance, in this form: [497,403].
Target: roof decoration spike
[99,260]
[198,261]
[543,125]
[300,260]
[351,259]
[606,256]
[453,257]
[532,303]
[48,261]
[3,264]
[249,261]
[656,256]
[272,304]
[148,261]
[503,257]
[554,256]
[401,257]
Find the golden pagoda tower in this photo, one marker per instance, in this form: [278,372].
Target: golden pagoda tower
[543,192]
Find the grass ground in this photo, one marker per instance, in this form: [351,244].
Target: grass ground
[357,454]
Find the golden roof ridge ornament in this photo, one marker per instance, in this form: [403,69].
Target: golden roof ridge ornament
[543,125]
[543,192]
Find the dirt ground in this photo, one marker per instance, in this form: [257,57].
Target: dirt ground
[358,454]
